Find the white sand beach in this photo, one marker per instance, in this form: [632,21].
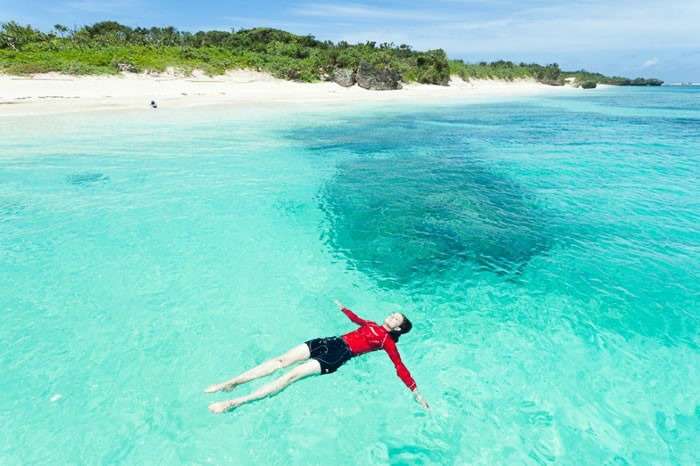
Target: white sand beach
[56,93]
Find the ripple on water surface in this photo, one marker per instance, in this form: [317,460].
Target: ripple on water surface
[547,254]
[87,179]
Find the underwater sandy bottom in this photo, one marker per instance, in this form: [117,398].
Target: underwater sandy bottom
[546,250]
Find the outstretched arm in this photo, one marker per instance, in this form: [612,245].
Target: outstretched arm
[402,371]
[351,315]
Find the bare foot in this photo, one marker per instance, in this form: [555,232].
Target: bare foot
[222,406]
[221,387]
[214,388]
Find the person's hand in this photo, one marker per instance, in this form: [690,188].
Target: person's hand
[339,304]
[420,400]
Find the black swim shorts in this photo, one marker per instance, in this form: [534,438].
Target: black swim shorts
[331,353]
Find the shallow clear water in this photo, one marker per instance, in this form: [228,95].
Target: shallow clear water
[547,250]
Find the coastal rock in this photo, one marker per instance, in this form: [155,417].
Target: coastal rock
[344,77]
[324,74]
[642,82]
[126,68]
[380,79]
[552,81]
[443,81]
[589,85]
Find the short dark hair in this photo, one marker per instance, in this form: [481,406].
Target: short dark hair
[405,327]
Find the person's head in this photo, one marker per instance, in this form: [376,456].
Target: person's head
[398,324]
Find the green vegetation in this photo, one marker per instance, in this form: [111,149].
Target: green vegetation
[586,76]
[109,47]
[550,74]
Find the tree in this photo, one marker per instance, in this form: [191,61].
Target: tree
[60,29]
[14,37]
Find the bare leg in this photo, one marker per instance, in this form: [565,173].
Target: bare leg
[298,353]
[311,367]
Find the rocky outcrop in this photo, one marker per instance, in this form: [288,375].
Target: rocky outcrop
[380,79]
[344,77]
[552,81]
[589,85]
[441,81]
[642,82]
[126,68]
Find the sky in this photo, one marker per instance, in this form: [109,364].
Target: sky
[651,38]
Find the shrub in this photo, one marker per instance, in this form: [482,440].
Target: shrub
[103,46]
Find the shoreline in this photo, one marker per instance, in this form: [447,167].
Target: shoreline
[52,93]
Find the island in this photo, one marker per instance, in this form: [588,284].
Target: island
[108,48]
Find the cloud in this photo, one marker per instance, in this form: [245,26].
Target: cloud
[98,6]
[365,12]
[557,28]
[651,62]
[545,27]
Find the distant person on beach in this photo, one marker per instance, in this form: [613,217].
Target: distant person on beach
[325,356]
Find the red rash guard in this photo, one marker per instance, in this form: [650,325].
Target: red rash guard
[371,337]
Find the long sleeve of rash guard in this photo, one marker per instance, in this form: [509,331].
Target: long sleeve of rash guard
[401,370]
[353,317]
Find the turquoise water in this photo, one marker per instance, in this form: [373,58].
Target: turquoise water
[547,250]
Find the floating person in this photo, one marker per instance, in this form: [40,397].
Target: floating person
[325,356]
[154,104]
